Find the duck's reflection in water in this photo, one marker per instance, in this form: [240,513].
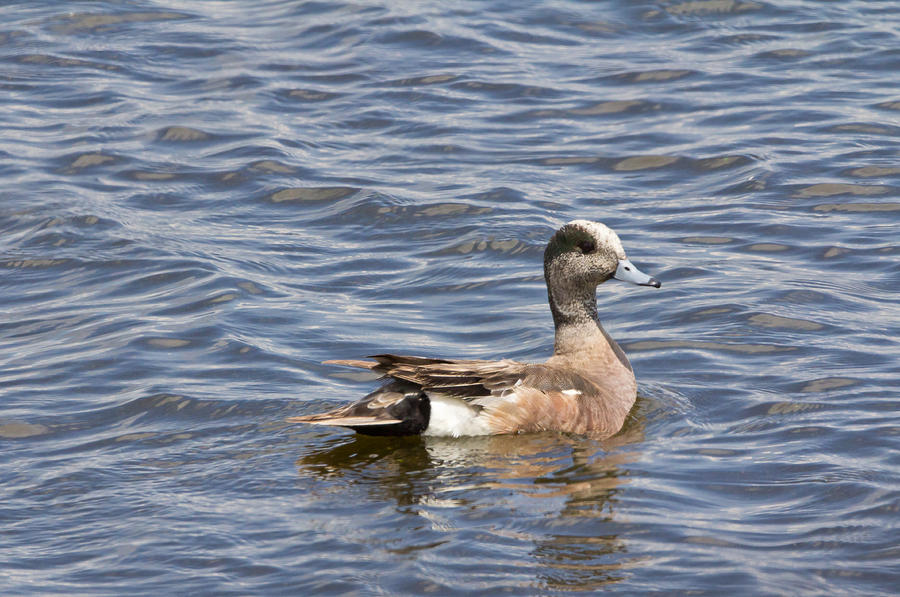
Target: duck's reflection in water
[556,492]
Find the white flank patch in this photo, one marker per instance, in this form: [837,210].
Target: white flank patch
[572,392]
[454,417]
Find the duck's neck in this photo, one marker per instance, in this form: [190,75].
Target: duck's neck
[578,326]
[575,318]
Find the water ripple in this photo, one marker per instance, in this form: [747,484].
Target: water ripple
[203,203]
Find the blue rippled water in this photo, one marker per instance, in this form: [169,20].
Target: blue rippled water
[202,201]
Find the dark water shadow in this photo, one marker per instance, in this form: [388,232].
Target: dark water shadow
[568,484]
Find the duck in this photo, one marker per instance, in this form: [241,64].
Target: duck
[587,386]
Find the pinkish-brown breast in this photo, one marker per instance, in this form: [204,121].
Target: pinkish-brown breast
[599,410]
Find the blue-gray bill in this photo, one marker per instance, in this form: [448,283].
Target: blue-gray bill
[627,272]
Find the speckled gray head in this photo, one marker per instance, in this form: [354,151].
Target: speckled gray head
[585,253]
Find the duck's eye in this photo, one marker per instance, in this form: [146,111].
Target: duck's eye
[587,246]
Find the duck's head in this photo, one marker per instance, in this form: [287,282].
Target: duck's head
[583,254]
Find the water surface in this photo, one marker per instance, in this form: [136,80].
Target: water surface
[201,202]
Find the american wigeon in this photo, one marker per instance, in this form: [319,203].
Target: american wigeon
[587,386]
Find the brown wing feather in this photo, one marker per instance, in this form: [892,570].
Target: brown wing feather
[352,363]
[460,378]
